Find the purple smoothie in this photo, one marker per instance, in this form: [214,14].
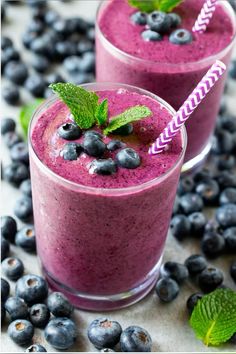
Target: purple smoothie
[103,235]
[168,70]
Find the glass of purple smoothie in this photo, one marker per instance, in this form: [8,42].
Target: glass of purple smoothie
[171,71]
[100,239]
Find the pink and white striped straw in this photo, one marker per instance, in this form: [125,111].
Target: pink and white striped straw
[205,16]
[192,102]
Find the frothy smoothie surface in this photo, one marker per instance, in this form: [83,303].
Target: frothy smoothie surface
[48,144]
[117,27]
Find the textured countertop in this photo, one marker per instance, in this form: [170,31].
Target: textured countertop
[167,323]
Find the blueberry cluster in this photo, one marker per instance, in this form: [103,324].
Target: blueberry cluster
[159,23]
[93,145]
[52,40]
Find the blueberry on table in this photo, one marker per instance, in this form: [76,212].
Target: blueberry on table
[6,42]
[16,308]
[224,142]
[7,125]
[36,25]
[229,236]
[84,46]
[125,130]
[25,188]
[40,63]
[195,264]
[180,226]
[39,315]
[226,162]
[32,289]
[71,151]
[11,94]
[20,153]
[23,208]
[35,84]
[71,64]
[16,72]
[87,62]
[103,332]
[152,36]
[13,268]
[28,38]
[8,227]
[228,122]
[50,17]
[25,238]
[159,21]
[135,339]
[228,196]
[11,138]
[186,185]
[11,54]
[192,301]
[5,290]
[174,270]
[54,78]
[167,289]
[21,332]
[15,173]
[69,131]
[226,179]
[115,145]
[198,222]
[94,146]
[139,18]
[213,244]
[59,305]
[226,215]
[36,348]
[190,203]
[175,19]
[181,37]
[65,49]
[5,248]
[61,333]
[103,167]
[210,279]
[233,271]
[128,158]
[209,191]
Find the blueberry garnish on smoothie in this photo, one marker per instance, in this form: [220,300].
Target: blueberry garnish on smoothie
[87,112]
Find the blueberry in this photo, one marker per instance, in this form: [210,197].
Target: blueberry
[36,348]
[186,185]
[6,42]
[128,158]
[126,129]
[226,179]
[94,146]
[40,63]
[210,279]
[54,78]
[16,308]
[59,305]
[16,72]
[20,153]
[91,34]
[107,350]
[71,151]
[37,3]
[175,19]
[8,228]
[15,173]
[195,264]
[167,289]
[39,315]
[28,38]
[228,196]
[225,142]
[5,248]
[23,208]
[25,188]
[25,238]
[11,94]
[232,70]
[181,36]
[51,16]
[229,236]
[192,301]
[65,49]
[103,332]
[174,270]
[5,290]
[159,22]
[69,131]
[81,78]
[209,191]
[11,54]
[47,93]
[3,313]
[7,125]
[226,215]
[11,138]
[152,36]
[228,122]
[32,289]
[35,84]
[198,222]
[226,162]
[203,175]
[233,271]
[115,145]
[60,26]
[38,13]
[135,339]
[87,62]
[21,332]
[13,268]
[213,244]
[139,18]
[84,46]
[71,64]
[93,134]
[61,333]
[36,26]
[180,226]
[103,167]
[41,45]
[190,203]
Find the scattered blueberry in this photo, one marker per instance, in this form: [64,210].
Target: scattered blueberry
[16,72]
[128,158]
[181,36]
[224,142]
[209,191]
[35,84]
[39,315]
[228,122]
[5,248]
[36,348]
[54,78]
[23,208]
[210,279]
[226,215]
[71,64]
[149,35]
[15,173]
[11,54]
[135,339]
[40,63]
[21,332]
[8,228]
[87,62]
[69,131]
[225,162]
[51,16]
[104,333]
[59,305]
[6,42]
[25,238]
[28,38]
[174,270]
[192,301]
[198,222]
[5,290]
[229,236]
[213,244]
[71,151]
[126,129]
[139,18]
[195,264]
[233,271]
[228,196]
[61,333]
[32,289]
[16,308]
[20,153]
[11,138]
[7,125]
[103,167]
[180,226]
[25,188]
[84,46]
[190,203]
[226,179]
[167,289]
[186,185]
[13,268]
[94,146]
[11,94]
[159,21]
[115,145]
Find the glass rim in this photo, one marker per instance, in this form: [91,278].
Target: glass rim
[122,53]
[107,191]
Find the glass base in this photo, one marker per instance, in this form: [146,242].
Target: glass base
[106,302]
[196,163]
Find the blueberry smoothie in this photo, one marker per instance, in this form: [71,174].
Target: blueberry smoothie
[101,217]
[169,61]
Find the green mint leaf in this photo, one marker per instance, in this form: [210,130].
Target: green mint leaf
[168,5]
[82,104]
[214,317]
[130,115]
[26,114]
[101,113]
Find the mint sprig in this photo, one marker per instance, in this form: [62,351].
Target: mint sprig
[214,317]
[26,114]
[101,113]
[130,115]
[151,5]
